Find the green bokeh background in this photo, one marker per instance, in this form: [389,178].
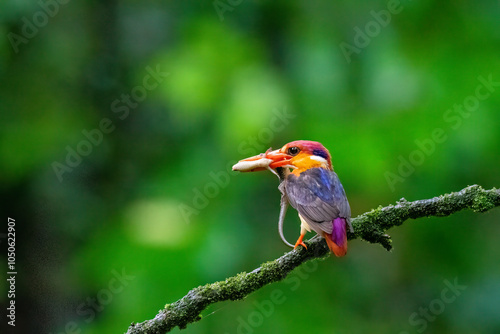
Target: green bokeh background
[133,203]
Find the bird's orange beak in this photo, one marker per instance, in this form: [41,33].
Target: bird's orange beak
[279,159]
[263,161]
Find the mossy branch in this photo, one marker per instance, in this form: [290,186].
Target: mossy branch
[370,226]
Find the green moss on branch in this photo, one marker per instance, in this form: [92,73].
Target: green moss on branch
[370,226]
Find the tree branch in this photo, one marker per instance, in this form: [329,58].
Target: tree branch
[370,226]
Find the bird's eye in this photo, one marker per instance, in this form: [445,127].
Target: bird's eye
[294,150]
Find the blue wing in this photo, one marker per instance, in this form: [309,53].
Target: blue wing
[319,197]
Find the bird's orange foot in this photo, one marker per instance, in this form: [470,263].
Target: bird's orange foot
[300,242]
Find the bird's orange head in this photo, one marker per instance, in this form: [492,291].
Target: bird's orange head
[301,155]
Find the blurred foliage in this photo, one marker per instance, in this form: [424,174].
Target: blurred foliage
[155,197]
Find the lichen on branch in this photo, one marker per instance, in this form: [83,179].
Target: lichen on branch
[370,226]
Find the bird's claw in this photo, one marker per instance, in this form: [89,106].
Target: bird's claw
[300,242]
[297,244]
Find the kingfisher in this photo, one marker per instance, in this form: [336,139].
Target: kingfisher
[309,184]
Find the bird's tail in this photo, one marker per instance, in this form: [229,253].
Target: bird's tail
[337,241]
